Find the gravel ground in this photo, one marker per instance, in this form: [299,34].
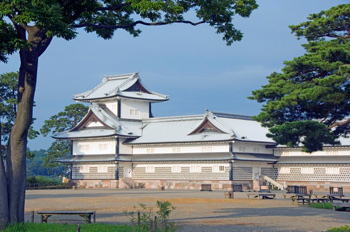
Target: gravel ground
[195,210]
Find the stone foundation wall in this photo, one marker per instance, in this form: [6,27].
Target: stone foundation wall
[192,184]
[319,186]
[96,183]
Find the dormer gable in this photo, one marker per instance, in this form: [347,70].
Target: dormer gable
[137,87]
[206,126]
[211,124]
[91,121]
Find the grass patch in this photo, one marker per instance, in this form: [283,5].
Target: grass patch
[340,229]
[327,205]
[53,227]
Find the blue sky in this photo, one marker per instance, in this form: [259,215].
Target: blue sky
[192,65]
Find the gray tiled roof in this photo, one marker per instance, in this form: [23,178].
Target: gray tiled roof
[179,129]
[123,128]
[118,85]
[311,159]
[87,133]
[87,158]
[255,157]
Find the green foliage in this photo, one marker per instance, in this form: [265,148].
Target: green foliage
[35,166]
[62,121]
[144,219]
[304,104]
[43,227]
[331,23]
[62,18]
[345,228]
[326,205]
[8,107]
[43,180]
[8,103]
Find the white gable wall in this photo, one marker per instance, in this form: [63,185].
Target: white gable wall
[94,147]
[134,109]
[112,106]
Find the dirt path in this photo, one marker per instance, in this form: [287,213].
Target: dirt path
[195,210]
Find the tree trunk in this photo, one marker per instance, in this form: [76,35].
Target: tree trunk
[4,216]
[16,160]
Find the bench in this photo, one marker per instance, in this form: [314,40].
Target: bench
[343,205]
[301,198]
[342,199]
[262,195]
[44,215]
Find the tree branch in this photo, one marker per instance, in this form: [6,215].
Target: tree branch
[134,24]
[339,123]
[114,7]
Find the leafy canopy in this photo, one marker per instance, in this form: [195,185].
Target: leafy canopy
[62,18]
[8,106]
[308,102]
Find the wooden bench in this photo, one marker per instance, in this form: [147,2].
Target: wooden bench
[262,195]
[342,199]
[301,198]
[343,205]
[84,214]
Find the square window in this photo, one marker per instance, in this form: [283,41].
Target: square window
[83,168]
[102,147]
[195,169]
[218,168]
[175,169]
[102,169]
[150,169]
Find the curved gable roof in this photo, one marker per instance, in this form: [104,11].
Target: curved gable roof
[112,126]
[126,85]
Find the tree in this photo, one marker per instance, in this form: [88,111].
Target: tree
[8,109]
[29,26]
[8,104]
[308,103]
[35,166]
[62,121]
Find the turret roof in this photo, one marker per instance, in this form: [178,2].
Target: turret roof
[126,85]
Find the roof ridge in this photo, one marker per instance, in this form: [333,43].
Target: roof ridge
[173,118]
[234,116]
[132,76]
[120,76]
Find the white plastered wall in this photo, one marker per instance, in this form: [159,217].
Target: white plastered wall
[94,147]
[124,149]
[113,106]
[327,151]
[251,148]
[134,109]
[181,148]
